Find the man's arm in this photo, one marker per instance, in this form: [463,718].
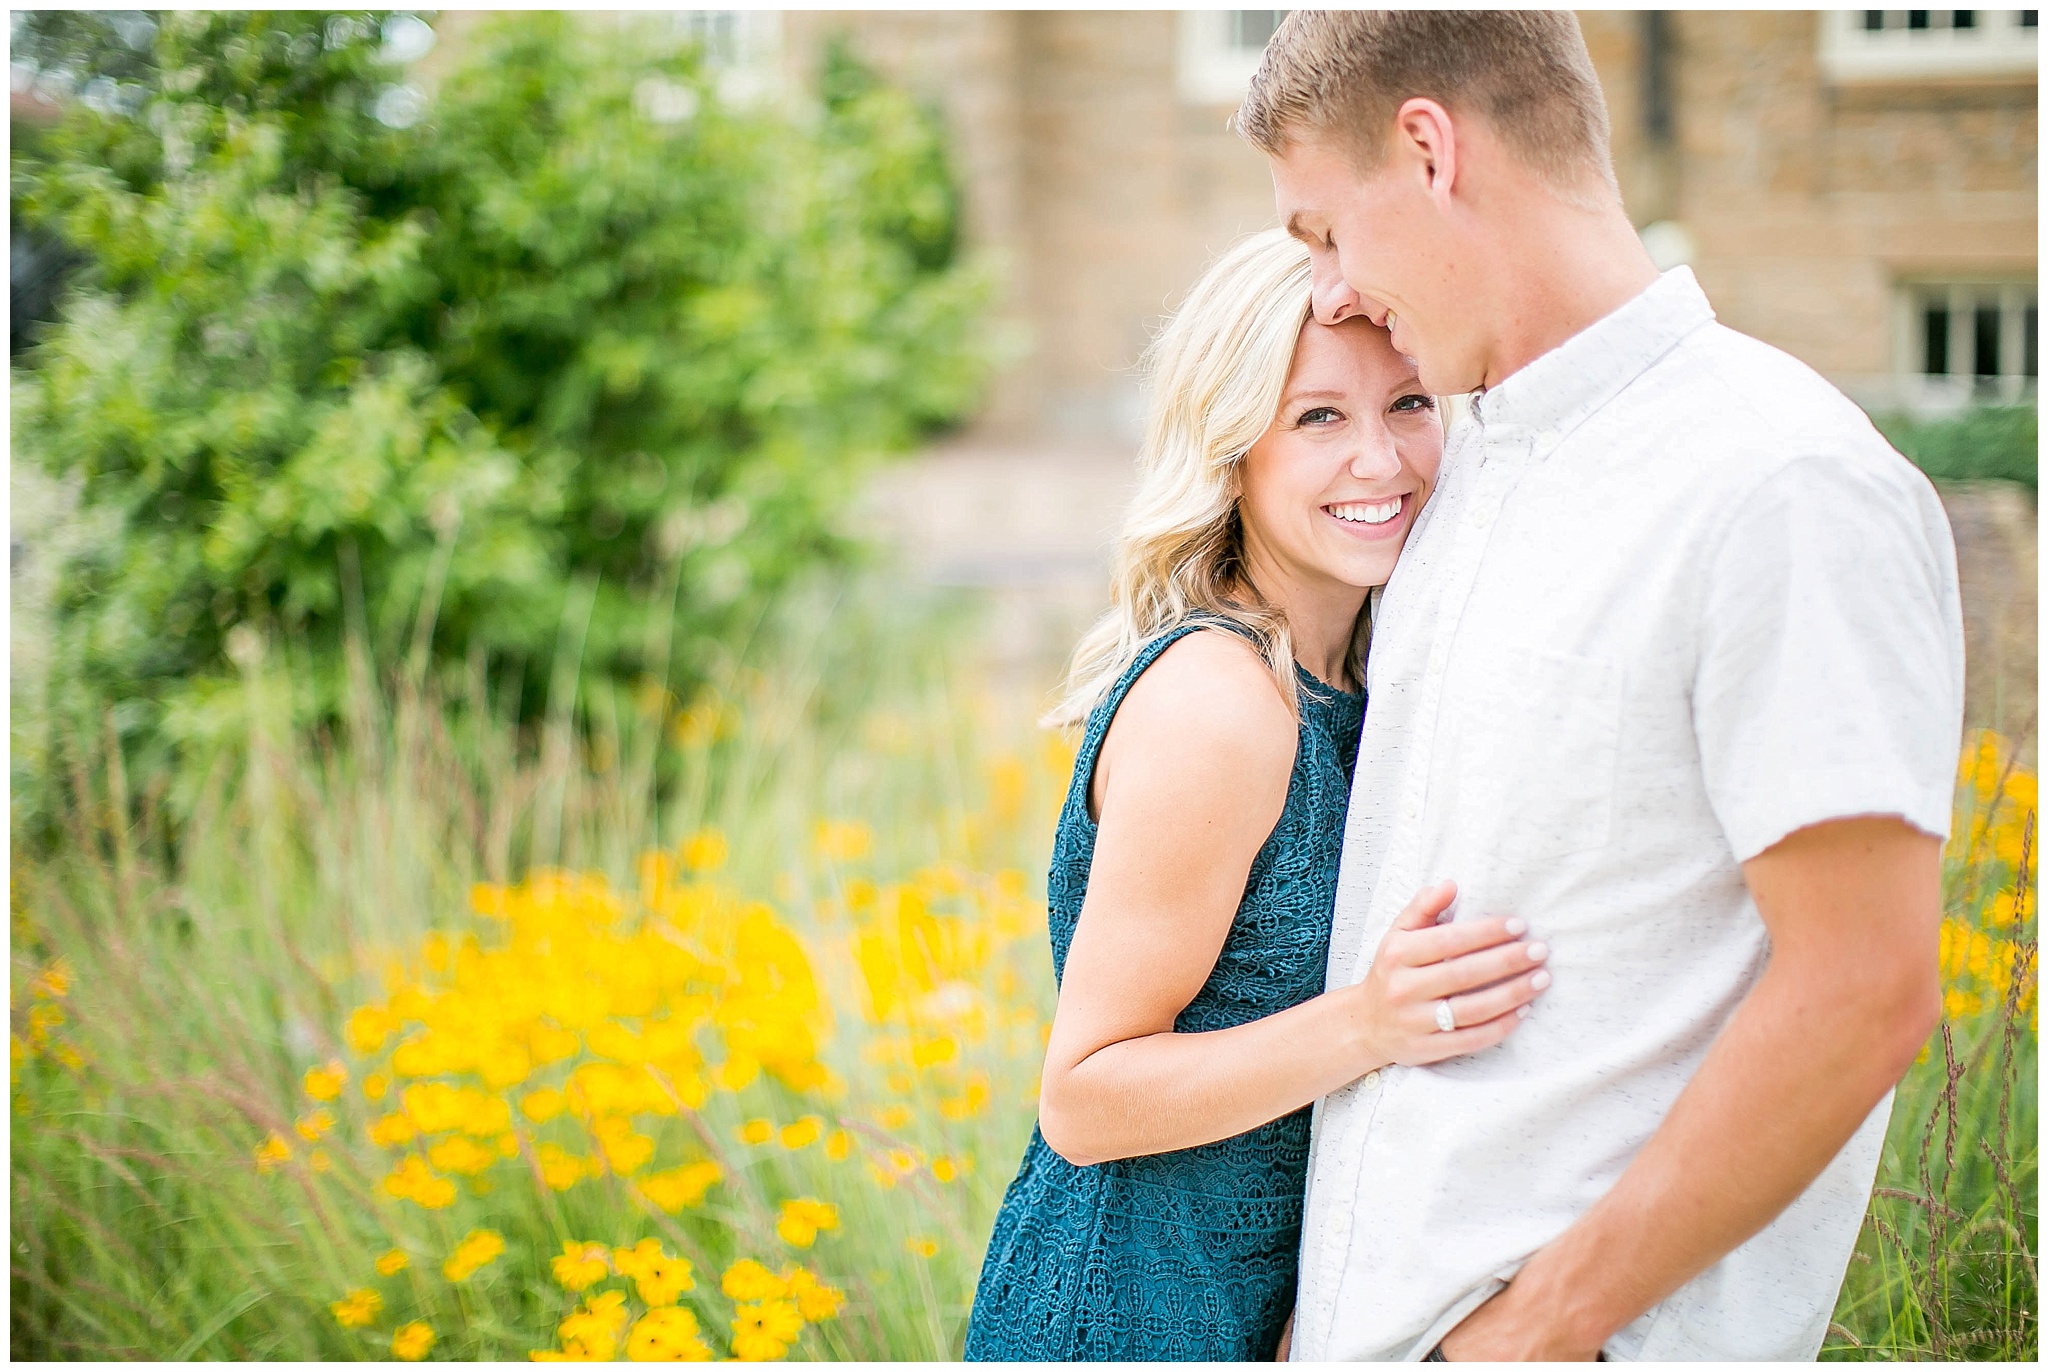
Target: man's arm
[1853,908]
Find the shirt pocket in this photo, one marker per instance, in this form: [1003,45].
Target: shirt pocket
[1552,748]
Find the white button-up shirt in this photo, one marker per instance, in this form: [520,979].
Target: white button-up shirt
[1673,598]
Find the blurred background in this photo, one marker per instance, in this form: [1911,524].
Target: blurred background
[482,478]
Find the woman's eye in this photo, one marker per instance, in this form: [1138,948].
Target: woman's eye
[1412,403]
[1321,414]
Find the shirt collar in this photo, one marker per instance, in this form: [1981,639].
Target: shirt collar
[1567,384]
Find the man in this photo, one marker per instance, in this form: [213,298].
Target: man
[1672,668]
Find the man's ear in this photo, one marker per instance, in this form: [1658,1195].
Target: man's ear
[1423,132]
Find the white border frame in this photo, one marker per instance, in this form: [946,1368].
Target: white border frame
[1998,46]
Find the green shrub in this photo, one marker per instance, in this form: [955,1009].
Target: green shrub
[1996,443]
[572,362]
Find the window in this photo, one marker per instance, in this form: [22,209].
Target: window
[742,46]
[1219,51]
[1921,45]
[1964,341]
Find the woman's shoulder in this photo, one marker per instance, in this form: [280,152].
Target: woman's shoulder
[1210,693]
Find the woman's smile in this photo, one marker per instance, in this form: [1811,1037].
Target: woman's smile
[1371,521]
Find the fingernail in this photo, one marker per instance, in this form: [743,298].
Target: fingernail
[1516,928]
[1539,981]
[1538,951]
[1521,1012]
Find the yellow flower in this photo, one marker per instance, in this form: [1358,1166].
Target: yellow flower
[659,1278]
[668,1334]
[590,1333]
[762,1332]
[481,1248]
[581,1266]
[325,1083]
[392,1131]
[411,1341]
[704,851]
[944,1170]
[319,1161]
[736,1073]
[608,1307]
[921,1245]
[803,1133]
[549,1044]
[839,1145]
[928,1052]
[311,1127]
[54,980]
[682,1186]
[662,1280]
[462,1156]
[630,1262]
[412,1180]
[842,840]
[626,1151]
[272,1154]
[802,1219]
[756,1131]
[814,1300]
[970,1102]
[541,1105]
[392,1263]
[559,1168]
[368,1028]
[376,1086]
[357,1309]
[747,1280]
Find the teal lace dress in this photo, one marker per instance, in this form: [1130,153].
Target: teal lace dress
[1190,1255]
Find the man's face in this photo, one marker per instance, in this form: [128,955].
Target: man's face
[1378,245]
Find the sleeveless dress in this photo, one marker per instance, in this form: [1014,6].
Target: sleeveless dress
[1189,1255]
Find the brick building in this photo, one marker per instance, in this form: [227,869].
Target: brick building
[1857,187]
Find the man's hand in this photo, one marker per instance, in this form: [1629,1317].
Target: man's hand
[1501,1331]
[1850,994]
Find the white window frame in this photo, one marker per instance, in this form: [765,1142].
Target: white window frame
[1997,46]
[742,48]
[1211,69]
[1960,387]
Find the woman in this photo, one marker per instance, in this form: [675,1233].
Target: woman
[1158,1209]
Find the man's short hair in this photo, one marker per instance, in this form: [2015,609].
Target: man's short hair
[1342,75]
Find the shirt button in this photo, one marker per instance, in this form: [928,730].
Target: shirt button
[1370,1080]
[1411,807]
[1482,518]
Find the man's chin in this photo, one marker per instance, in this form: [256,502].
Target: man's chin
[1440,378]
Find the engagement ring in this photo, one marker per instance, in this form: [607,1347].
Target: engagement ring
[1445,1020]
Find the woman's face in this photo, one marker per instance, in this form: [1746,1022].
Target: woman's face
[1331,488]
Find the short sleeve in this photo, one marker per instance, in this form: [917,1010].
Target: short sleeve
[1830,674]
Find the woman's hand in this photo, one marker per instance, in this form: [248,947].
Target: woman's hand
[1482,967]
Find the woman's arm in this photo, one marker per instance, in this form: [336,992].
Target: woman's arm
[1191,779]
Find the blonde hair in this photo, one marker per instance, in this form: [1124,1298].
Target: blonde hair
[1216,371]
[1343,74]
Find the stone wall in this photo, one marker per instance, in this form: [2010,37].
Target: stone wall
[1105,191]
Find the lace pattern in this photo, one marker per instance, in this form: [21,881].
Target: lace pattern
[1189,1255]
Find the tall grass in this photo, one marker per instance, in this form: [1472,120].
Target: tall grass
[201,981]
[1945,1268]
[189,1179]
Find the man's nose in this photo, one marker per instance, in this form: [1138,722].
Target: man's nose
[1332,297]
